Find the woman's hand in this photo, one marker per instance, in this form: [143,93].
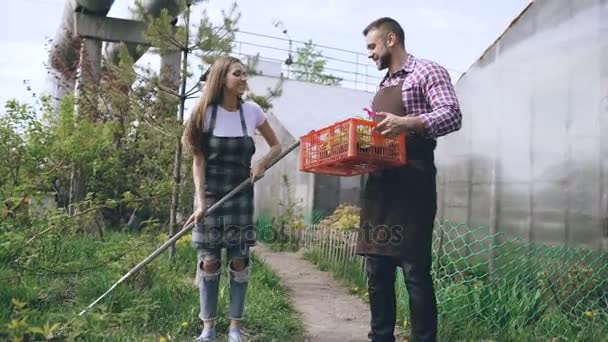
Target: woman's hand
[198,215]
[257,171]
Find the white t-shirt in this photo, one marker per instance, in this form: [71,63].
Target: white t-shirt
[228,124]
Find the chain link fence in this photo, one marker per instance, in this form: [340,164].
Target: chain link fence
[488,287]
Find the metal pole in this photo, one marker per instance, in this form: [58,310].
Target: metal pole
[172,240]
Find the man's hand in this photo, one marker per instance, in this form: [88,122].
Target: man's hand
[391,124]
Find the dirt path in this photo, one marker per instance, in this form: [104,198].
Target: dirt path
[329,312]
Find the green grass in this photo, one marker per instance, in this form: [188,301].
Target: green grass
[349,271]
[282,247]
[161,300]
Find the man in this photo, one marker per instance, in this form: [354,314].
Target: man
[399,204]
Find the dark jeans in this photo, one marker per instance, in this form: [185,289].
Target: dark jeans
[422,302]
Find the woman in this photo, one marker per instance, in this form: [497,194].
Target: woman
[219,134]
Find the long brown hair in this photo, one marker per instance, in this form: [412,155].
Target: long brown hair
[213,94]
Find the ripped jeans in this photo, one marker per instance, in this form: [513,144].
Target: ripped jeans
[209,283]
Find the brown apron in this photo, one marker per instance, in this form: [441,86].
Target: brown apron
[399,204]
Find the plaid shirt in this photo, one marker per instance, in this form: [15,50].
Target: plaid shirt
[428,94]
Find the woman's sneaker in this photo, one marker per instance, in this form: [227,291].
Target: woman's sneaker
[234,335]
[208,335]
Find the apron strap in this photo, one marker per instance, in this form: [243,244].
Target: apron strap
[213,117]
[243,124]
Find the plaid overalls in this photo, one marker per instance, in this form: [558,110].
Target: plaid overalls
[227,164]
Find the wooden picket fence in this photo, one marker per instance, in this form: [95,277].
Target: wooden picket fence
[331,249]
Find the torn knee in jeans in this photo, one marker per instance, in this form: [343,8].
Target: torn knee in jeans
[208,269]
[209,264]
[240,269]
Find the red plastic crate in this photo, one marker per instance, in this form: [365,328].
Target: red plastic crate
[350,147]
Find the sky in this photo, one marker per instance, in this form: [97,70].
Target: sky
[452,33]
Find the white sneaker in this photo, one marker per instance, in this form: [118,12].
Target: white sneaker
[207,336]
[234,335]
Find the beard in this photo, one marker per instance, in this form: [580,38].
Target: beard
[384,61]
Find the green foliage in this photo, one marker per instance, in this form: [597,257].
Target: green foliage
[207,40]
[265,101]
[121,161]
[161,33]
[116,141]
[49,271]
[23,140]
[215,40]
[310,66]
[281,234]
[265,230]
[291,214]
[119,137]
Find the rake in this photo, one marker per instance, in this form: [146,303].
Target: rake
[186,229]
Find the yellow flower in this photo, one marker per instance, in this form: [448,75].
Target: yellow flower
[185,324]
[590,314]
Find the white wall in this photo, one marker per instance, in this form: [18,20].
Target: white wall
[532,156]
[305,106]
[301,108]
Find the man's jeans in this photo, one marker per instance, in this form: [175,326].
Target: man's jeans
[422,302]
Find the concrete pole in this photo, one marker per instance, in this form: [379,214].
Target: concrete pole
[87,82]
[64,52]
[89,74]
[154,8]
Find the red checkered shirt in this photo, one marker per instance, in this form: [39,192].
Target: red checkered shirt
[428,94]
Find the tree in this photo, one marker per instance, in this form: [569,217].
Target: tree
[310,66]
[23,140]
[208,42]
[127,143]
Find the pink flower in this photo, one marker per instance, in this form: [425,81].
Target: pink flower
[369,112]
